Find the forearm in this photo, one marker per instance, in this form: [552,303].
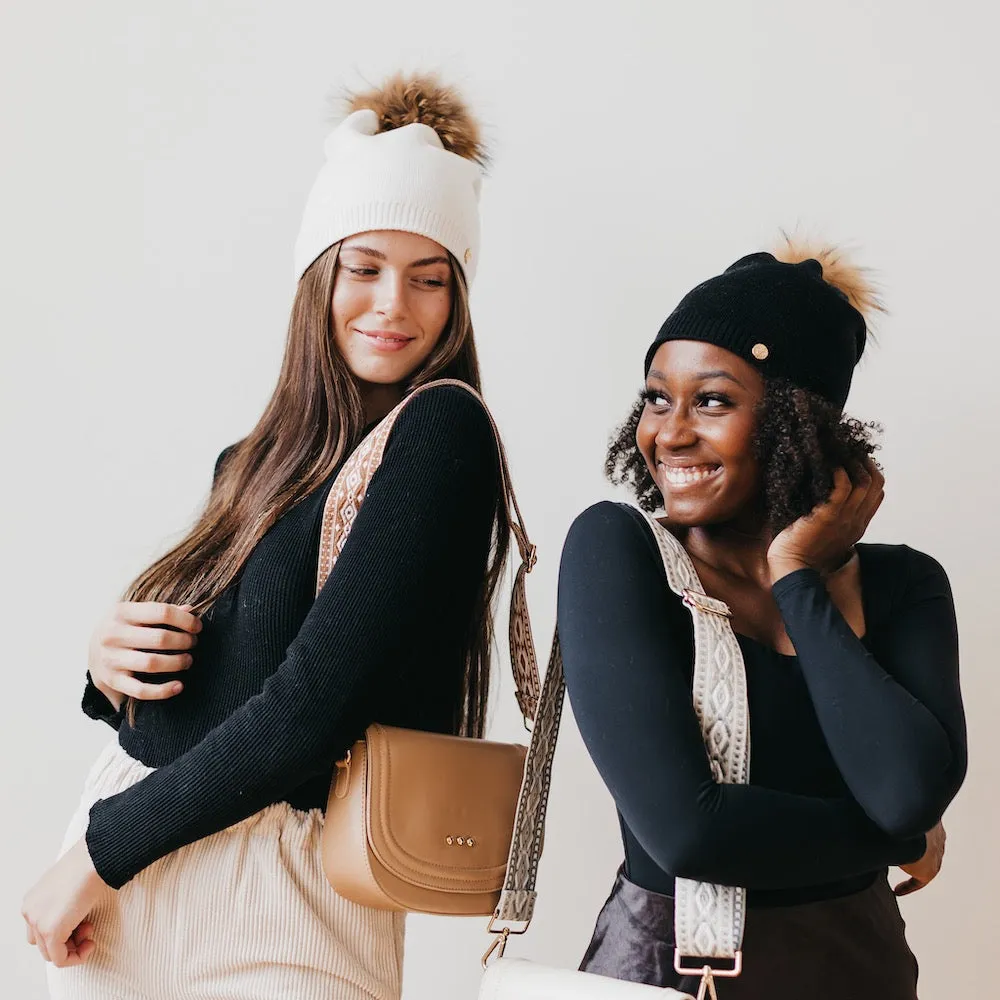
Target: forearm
[893,753]
[762,839]
[252,759]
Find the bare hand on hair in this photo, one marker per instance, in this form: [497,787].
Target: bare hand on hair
[823,539]
[924,869]
[141,637]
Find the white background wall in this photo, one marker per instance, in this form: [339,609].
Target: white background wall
[155,159]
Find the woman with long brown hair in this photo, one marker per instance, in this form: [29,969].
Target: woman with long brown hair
[192,867]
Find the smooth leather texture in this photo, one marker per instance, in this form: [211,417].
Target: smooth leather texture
[393,807]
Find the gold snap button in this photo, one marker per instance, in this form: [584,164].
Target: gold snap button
[760,352]
[468,254]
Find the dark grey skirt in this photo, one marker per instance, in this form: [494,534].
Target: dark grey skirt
[851,948]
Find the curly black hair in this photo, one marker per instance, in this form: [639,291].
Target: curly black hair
[800,440]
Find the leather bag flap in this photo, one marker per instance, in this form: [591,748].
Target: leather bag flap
[441,808]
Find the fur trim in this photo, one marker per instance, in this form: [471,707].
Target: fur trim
[838,270]
[422,97]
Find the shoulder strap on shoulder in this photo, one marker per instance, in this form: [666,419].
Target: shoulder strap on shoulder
[348,492]
[709,918]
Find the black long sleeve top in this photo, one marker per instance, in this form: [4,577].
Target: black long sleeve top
[282,684]
[857,744]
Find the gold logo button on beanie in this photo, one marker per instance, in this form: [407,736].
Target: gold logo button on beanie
[760,352]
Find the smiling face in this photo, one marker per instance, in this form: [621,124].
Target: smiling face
[392,300]
[696,432]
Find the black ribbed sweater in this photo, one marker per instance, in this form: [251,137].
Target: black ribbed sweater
[281,685]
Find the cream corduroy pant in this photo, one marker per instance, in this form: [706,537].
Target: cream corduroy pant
[245,914]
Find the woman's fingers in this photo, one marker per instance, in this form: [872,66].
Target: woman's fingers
[861,483]
[150,663]
[870,507]
[127,649]
[84,932]
[80,955]
[80,944]
[876,473]
[832,507]
[156,613]
[872,498]
[151,639]
[132,687]
[41,944]
[907,886]
[842,487]
[58,951]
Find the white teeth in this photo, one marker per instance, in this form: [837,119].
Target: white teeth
[684,477]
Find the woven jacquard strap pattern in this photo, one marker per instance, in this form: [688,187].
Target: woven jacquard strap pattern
[344,501]
[517,900]
[709,918]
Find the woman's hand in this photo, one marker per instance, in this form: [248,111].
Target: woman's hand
[822,540]
[132,638]
[926,868]
[56,909]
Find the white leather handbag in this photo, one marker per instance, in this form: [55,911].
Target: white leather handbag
[708,918]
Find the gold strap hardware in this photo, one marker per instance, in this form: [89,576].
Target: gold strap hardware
[499,945]
[702,602]
[706,970]
[707,987]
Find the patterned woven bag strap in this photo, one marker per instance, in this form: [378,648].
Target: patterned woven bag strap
[517,898]
[344,501]
[709,917]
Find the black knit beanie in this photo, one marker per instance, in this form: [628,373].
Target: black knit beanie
[801,318]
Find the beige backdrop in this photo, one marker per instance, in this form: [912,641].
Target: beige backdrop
[155,159]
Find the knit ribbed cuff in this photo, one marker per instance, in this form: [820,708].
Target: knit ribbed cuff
[96,706]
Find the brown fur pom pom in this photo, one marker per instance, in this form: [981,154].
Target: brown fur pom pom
[422,97]
[838,270]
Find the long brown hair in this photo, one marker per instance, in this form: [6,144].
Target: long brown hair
[315,418]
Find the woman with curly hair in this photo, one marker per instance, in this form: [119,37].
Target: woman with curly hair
[193,866]
[849,648]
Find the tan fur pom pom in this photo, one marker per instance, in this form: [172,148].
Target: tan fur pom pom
[422,97]
[838,270]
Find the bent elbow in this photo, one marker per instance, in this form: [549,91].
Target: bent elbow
[909,820]
[905,817]
[908,805]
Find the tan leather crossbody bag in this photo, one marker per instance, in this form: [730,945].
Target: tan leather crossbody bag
[421,821]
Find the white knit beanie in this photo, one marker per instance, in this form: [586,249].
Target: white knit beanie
[407,158]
